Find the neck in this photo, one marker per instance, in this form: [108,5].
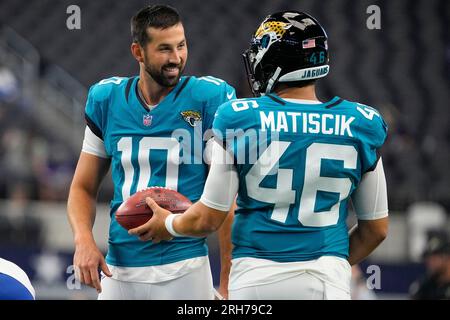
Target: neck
[152,92]
[305,93]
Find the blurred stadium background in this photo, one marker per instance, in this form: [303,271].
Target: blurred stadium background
[45,69]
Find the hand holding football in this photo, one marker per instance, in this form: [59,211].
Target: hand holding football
[134,211]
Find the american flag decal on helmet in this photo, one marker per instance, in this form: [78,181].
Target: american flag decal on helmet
[309,43]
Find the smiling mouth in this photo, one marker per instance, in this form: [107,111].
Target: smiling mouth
[171,72]
[171,69]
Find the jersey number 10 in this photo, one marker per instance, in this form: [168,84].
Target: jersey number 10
[146,144]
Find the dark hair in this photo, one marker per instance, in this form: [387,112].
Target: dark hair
[156,16]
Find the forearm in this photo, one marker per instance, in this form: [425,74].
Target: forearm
[359,247]
[365,238]
[219,192]
[83,194]
[225,245]
[199,221]
[81,213]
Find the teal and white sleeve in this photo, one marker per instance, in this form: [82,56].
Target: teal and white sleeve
[370,197]
[222,183]
[374,134]
[225,94]
[92,144]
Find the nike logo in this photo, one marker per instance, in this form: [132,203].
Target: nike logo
[230,95]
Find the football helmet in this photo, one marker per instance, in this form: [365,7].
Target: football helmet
[287,46]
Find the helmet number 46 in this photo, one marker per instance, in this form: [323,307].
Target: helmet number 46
[317,58]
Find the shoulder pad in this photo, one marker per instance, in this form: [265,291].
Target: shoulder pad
[102,90]
[207,87]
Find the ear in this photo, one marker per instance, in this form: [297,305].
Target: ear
[138,52]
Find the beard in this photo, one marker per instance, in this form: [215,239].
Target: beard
[158,74]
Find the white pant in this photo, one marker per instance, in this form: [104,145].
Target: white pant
[196,285]
[304,286]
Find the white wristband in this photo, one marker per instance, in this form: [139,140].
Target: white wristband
[169,224]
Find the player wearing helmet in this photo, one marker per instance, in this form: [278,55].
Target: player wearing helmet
[287,47]
[290,235]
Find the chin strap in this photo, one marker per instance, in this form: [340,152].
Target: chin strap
[273,80]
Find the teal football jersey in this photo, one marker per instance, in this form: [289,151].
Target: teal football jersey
[298,165]
[162,147]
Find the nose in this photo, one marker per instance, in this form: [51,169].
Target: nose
[175,57]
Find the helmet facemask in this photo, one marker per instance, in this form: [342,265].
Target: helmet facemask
[249,61]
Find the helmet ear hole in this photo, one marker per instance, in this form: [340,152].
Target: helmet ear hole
[261,74]
[268,71]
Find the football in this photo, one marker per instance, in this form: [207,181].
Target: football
[134,211]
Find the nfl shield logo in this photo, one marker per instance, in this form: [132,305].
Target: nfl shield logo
[147,120]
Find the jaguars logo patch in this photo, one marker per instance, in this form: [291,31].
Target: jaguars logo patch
[192,117]
[277,28]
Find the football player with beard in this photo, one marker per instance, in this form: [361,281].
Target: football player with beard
[147,128]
